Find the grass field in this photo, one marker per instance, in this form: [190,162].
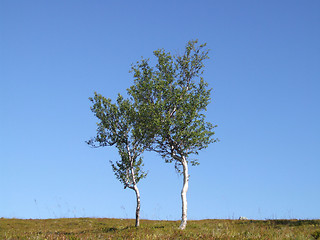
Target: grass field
[98,228]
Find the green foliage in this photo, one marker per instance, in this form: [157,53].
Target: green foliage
[118,126]
[172,97]
[122,171]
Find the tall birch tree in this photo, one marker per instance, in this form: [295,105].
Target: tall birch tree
[118,126]
[173,96]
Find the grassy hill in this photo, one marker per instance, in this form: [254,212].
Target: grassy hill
[97,228]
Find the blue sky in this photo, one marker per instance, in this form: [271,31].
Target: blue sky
[264,69]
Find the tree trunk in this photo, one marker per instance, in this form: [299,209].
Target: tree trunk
[184,193]
[138,205]
[135,188]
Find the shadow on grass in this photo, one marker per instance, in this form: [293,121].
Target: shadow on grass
[115,229]
[295,222]
[107,230]
[158,227]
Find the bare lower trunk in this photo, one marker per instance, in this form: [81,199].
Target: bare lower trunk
[135,188]
[184,193]
[138,206]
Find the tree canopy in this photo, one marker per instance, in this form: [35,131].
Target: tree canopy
[175,96]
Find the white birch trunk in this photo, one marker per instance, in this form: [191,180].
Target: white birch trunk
[135,188]
[184,193]
[138,205]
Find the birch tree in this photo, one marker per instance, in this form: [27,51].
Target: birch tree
[118,127]
[173,97]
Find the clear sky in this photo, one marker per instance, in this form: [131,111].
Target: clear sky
[265,74]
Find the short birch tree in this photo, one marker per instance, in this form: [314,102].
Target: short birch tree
[118,127]
[173,96]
